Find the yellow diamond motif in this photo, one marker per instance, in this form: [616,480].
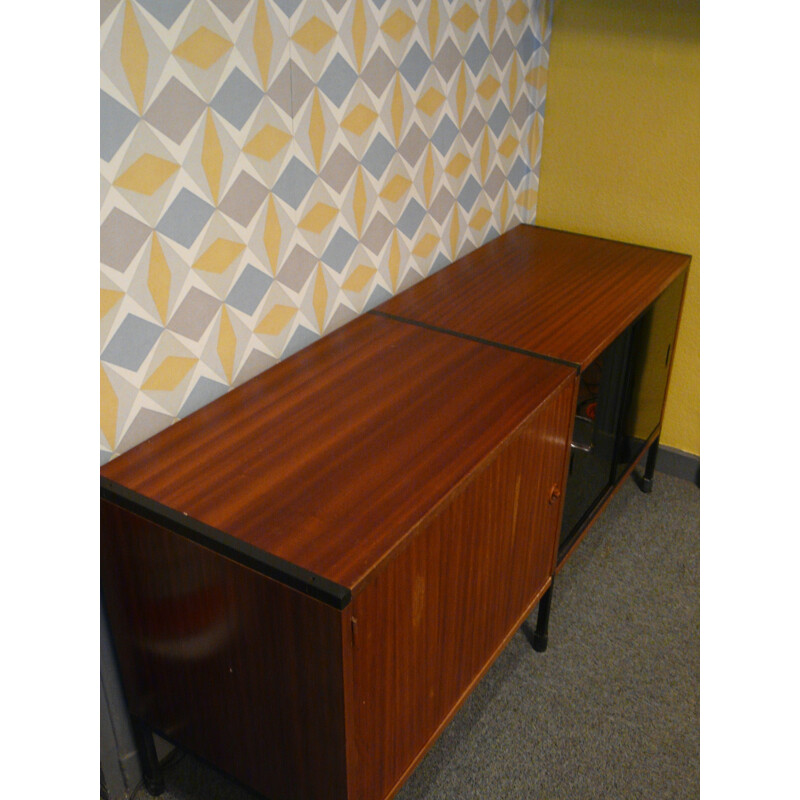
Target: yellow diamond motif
[482,216]
[457,165]
[320,297]
[226,344]
[396,188]
[358,278]
[219,256]
[518,12]
[508,147]
[527,199]
[314,35]
[537,76]
[487,89]
[108,299]
[318,218]
[203,48]
[276,320]
[398,26]
[133,55]
[267,143]
[109,408]
[146,175]
[212,156]
[430,101]
[425,245]
[169,373]
[464,18]
[359,120]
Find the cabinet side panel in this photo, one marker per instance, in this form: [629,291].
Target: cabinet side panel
[433,620]
[224,661]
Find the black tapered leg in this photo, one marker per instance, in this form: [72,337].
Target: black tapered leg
[542,621]
[152,776]
[650,467]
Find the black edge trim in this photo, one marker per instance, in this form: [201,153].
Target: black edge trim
[284,572]
[476,339]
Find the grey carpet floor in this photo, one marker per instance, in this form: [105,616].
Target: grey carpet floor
[611,710]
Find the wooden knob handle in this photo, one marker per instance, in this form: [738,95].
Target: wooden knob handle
[555,493]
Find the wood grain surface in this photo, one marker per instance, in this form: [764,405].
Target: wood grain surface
[329,459]
[433,620]
[558,294]
[230,664]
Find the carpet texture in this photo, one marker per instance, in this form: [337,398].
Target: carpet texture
[611,710]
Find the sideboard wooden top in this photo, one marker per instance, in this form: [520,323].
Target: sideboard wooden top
[331,458]
[556,294]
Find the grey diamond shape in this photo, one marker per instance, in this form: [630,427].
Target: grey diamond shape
[339,250]
[116,124]
[301,86]
[121,237]
[237,98]
[522,111]
[378,156]
[503,48]
[301,338]
[378,296]
[518,172]
[413,145]
[339,169]
[476,55]
[175,110]
[165,11]
[444,135]
[205,390]
[447,59]
[527,45]
[280,91]
[415,65]
[243,198]
[338,80]
[378,73]
[495,182]
[294,183]
[377,233]
[499,118]
[230,8]
[440,262]
[336,5]
[297,267]
[194,314]
[473,126]
[411,218]
[288,6]
[469,194]
[442,205]
[131,343]
[249,289]
[185,218]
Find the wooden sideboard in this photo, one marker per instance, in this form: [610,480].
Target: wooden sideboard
[305,578]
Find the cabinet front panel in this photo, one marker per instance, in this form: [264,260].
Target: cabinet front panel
[433,620]
[226,662]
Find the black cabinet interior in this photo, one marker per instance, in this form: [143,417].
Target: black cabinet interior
[619,407]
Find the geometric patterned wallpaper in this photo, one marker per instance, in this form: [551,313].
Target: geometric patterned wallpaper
[270,169]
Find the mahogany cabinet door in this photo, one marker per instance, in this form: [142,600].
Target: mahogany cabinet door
[432,621]
[226,662]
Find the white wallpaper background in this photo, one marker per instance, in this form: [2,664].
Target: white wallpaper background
[270,170]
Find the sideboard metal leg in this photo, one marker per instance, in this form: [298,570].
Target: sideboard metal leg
[152,776]
[650,467]
[542,621]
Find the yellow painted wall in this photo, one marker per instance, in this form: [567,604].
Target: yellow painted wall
[621,150]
